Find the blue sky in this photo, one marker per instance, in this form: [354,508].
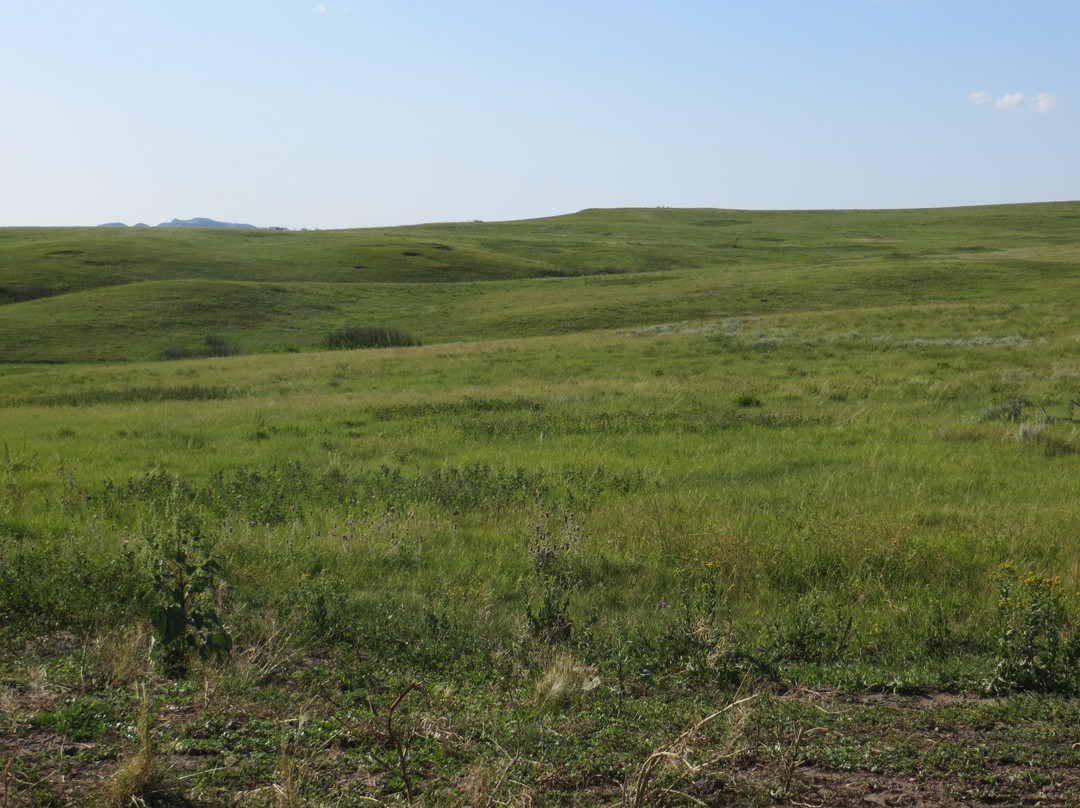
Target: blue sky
[356,113]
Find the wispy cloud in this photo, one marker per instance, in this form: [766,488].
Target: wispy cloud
[1009,101]
[321,8]
[1043,102]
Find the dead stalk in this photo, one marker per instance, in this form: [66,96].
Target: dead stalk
[7,777]
[396,738]
[641,786]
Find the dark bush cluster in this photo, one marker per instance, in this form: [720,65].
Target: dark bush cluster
[21,294]
[86,398]
[348,339]
[212,345]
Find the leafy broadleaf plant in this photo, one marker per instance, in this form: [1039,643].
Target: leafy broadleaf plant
[181,595]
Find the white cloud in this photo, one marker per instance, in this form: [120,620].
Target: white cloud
[321,8]
[1009,101]
[1044,102]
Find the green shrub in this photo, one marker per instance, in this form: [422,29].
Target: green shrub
[348,339]
[21,294]
[211,346]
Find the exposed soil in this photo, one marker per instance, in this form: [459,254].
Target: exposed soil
[42,766]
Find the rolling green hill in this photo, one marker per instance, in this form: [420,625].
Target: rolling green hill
[101,294]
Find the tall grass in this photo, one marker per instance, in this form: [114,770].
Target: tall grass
[810,456]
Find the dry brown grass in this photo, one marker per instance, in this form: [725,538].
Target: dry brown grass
[121,656]
[142,778]
[564,679]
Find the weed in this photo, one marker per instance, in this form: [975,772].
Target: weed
[1038,644]
[939,636]
[79,720]
[789,761]
[817,628]
[701,636]
[180,599]
[398,739]
[551,567]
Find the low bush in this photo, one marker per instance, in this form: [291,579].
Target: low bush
[211,346]
[21,294]
[354,337]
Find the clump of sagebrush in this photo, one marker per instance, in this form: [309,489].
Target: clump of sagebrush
[353,337]
[1031,432]
[1011,410]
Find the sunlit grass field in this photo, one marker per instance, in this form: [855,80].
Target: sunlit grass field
[688,451]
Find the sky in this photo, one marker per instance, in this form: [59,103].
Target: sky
[364,113]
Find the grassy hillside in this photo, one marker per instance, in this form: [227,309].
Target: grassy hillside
[694,522]
[136,294]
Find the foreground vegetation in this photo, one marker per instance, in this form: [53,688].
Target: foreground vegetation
[703,507]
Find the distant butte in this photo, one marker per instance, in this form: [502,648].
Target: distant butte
[196,222]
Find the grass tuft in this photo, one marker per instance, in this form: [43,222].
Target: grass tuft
[142,777]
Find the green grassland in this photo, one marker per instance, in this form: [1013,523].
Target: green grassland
[644,464]
[129,295]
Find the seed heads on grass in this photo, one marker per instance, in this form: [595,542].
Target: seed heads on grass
[564,680]
[6,778]
[288,785]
